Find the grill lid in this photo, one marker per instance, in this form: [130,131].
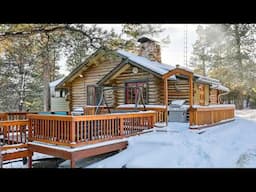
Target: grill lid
[177,103]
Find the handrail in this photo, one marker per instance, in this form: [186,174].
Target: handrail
[81,130]
[14,132]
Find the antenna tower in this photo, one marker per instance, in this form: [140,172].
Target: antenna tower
[185,45]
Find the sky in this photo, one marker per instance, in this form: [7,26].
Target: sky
[172,53]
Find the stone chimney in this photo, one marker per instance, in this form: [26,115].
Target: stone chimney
[150,49]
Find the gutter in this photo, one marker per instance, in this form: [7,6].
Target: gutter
[222,94]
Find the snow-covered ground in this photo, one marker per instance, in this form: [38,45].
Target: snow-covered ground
[229,145]
[17,163]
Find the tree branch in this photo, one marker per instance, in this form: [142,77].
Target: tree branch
[47,30]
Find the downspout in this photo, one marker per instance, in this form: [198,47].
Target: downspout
[222,94]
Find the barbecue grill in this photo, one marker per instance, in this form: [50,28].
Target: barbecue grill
[78,111]
[178,111]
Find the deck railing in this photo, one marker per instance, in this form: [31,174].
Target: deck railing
[159,115]
[13,116]
[3,116]
[80,130]
[209,115]
[14,132]
[13,139]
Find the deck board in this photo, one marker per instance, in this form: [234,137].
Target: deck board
[74,154]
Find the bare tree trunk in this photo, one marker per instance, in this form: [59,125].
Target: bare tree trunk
[204,70]
[238,51]
[46,81]
[248,101]
[22,74]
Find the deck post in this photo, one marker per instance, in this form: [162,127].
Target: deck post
[72,163]
[73,130]
[121,127]
[30,159]
[1,158]
[191,90]
[191,99]
[166,100]
[29,129]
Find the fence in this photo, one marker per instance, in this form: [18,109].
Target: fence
[203,116]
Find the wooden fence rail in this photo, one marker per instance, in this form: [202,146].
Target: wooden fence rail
[206,116]
[159,115]
[13,132]
[13,116]
[14,138]
[80,130]
[3,116]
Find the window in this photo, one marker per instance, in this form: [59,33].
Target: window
[93,95]
[58,93]
[61,93]
[132,92]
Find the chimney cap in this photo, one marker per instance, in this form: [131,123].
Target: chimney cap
[144,39]
[177,66]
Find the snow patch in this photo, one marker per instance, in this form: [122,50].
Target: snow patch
[176,146]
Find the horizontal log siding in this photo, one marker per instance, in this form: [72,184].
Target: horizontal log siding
[196,94]
[153,85]
[92,75]
[180,92]
[213,96]
[206,95]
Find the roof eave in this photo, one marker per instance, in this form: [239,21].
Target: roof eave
[78,68]
[140,66]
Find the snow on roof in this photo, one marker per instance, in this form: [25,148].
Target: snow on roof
[206,79]
[56,82]
[215,83]
[154,66]
[184,68]
[220,87]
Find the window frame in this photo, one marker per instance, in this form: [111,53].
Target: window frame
[136,81]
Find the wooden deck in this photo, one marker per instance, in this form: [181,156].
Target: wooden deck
[71,137]
[76,137]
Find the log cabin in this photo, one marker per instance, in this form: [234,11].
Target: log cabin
[132,77]
[119,80]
